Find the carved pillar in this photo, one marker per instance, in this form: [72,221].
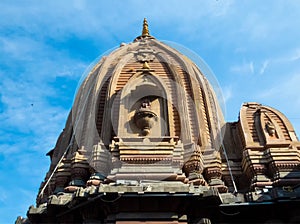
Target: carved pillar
[213,169]
[79,172]
[284,171]
[100,164]
[254,165]
[194,164]
[62,176]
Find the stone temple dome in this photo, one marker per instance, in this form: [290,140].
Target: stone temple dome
[147,120]
[147,94]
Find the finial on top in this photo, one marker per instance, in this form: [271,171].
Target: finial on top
[145,31]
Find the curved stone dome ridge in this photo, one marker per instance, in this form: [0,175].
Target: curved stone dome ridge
[193,58]
[93,77]
[106,78]
[129,48]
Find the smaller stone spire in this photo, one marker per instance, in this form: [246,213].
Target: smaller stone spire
[145,31]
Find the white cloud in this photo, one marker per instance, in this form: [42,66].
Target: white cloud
[263,67]
[283,95]
[291,55]
[287,87]
[243,69]
[279,63]
[227,93]
[26,105]
[296,55]
[3,195]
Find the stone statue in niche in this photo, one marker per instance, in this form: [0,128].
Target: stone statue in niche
[146,104]
[144,117]
[270,128]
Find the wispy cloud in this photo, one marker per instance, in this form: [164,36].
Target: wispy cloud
[291,55]
[3,195]
[38,81]
[227,93]
[283,95]
[263,67]
[243,69]
[278,62]
[288,89]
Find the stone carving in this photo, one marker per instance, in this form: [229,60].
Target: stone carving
[144,118]
[99,164]
[79,171]
[270,128]
[145,54]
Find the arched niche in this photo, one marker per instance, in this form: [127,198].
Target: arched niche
[143,91]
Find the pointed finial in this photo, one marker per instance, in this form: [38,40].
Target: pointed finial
[146,65]
[145,31]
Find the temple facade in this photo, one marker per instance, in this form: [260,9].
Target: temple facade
[146,142]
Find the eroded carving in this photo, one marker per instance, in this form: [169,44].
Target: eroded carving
[144,117]
[270,128]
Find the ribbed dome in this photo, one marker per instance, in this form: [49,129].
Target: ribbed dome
[186,103]
[146,122]
[143,103]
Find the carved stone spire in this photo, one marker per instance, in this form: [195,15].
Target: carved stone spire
[145,31]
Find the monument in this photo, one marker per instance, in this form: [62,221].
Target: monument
[146,142]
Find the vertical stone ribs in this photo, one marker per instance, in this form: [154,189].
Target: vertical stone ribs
[161,69]
[192,115]
[205,123]
[101,104]
[251,123]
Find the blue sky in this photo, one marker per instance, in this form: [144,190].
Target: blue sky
[252,46]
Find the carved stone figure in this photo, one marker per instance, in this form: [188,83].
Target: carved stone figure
[144,118]
[270,128]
